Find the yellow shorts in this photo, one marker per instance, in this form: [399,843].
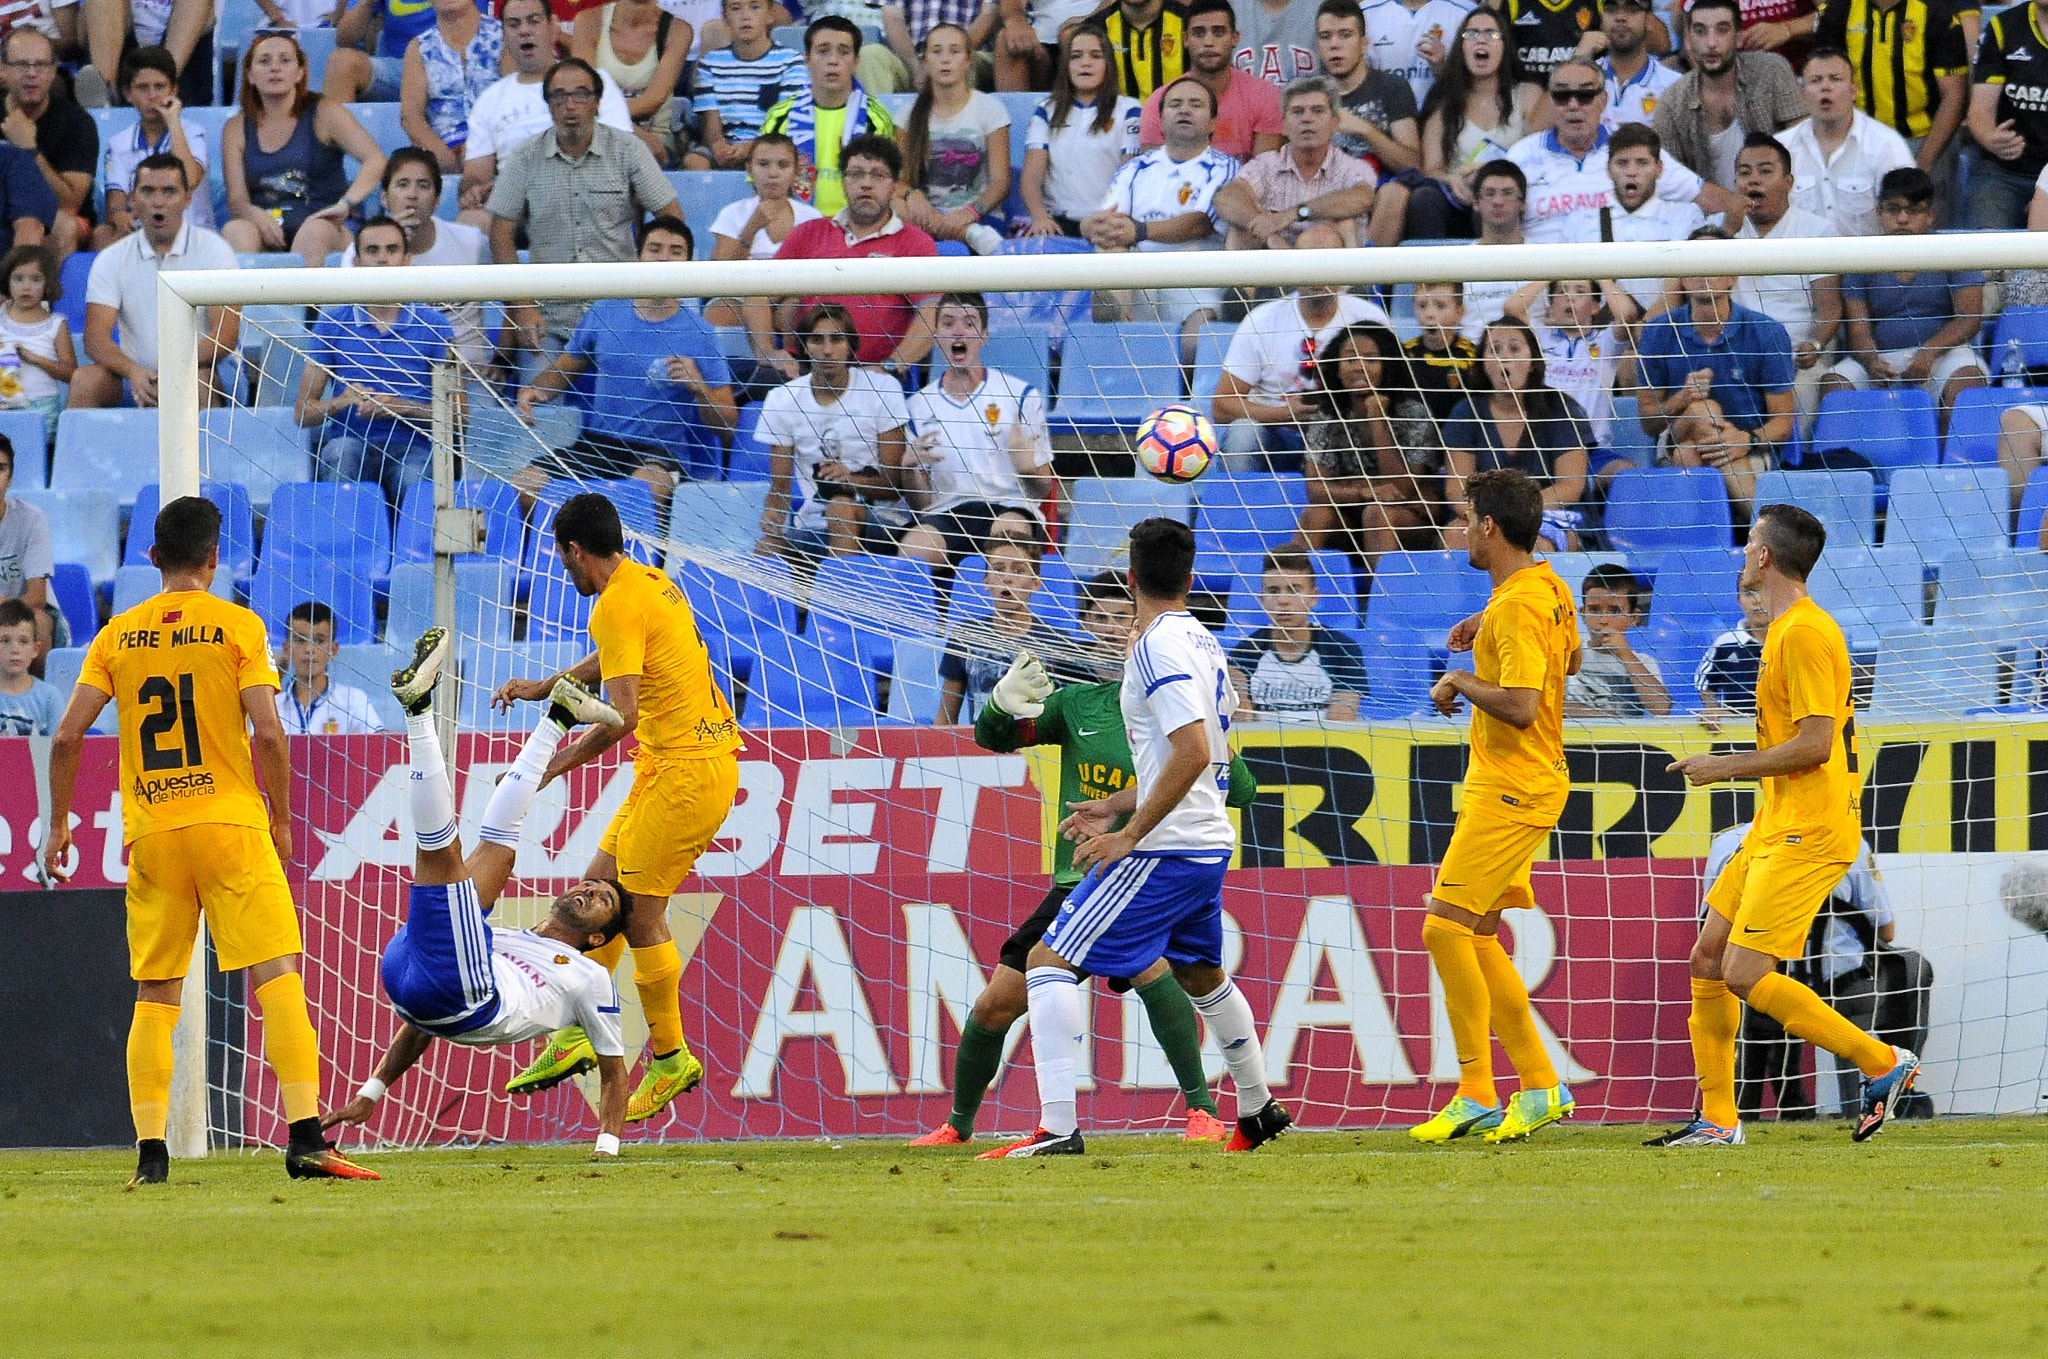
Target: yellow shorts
[1486,868]
[1770,898]
[670,817]
[229,872]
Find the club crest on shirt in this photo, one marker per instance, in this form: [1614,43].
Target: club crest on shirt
[1649,104]
[1585,17]
[1909,32]
[1187,191]
[992,413]
[1168,45]
[172,616]
[561,960]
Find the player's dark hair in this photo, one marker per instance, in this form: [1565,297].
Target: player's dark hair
[1291,561]
[1201,7]
[1512,500]
[974,300]
[13,613]
[616,924]
[187,532]
[1795,538]
[1758,141]
[591,522]
[410,155]
[1104,587]
[1909,184]
[387,222]
[868,146]
[669,222]
[312,612]
[832,23]
[1617,579]
[1162,558]
[1500,169]
[163,160]
[1634,137]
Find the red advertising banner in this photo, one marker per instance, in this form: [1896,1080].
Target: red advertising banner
[838,932]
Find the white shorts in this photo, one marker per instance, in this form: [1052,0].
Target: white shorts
[1947,365]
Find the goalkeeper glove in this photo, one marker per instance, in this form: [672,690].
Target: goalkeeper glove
[1022,691]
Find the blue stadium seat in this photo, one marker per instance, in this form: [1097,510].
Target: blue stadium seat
[1929,676]
[61,669]
[1693,601]
[1336,597]
[2033,511]
[71,591]
[1400,306]
[260,447]
[280,360]
[738,617]
[1871,591]
[504,524]
[1243,516]
[881,599]
[1425,593]
[702,195]
[1973,422]
[71,275]
[283,582]
[1993,593]
[1212,346]
[1668,509]
[24,431]
[748,459]
[2028,326]
[97,450]
[133,584]
[1939,510]
[237,527]
[1101,510]
[724,516]
[954,250]
[555,611]
[1573,567]
[85,527]
[483,600]
[369,668]
[1891,426]
[485,668]
[1024,354]
[1844,502]
[1114,376]
[1054,313]
[914,682]
[1625,436]
[327,541]
[1400,665]
[382,122]
[1021,107]
[798,680]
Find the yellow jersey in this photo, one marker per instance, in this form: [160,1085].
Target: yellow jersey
[176,665]
[643,626]
[1805,673]
[1527,641]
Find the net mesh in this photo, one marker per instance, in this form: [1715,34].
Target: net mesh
[841,928]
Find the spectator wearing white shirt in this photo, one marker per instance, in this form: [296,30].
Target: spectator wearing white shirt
[1582,327]
[1280,192]
[412,191]
[1412,41]
[1635,79]
[311,703]
[515,109]
[121,290]
[832,435]
[1635,163]
[1567,166]
[1079,136]
[149,80]
[755,227]
[1809,306]
[1500,197]
[1841,153]
[1269,379]
[1166,200]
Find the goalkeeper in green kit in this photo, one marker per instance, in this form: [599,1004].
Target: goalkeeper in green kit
[1086,722]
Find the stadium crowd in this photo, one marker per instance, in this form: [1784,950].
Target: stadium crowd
[459,133]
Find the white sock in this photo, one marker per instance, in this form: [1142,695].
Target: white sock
[433,800]
[1229,1016]
[1056,1023]
[506,811]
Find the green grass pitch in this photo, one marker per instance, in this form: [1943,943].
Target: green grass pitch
[1930,1240]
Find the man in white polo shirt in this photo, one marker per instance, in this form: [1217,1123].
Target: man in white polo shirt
[1841,153]
[1567,166]
[1635,79]
[1166,200]
[121,290]
[1809,306]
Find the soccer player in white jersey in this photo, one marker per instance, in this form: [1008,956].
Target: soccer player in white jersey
[1154,888]
[447,972]
[1412,40]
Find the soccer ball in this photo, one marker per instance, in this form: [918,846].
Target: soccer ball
[1176,443]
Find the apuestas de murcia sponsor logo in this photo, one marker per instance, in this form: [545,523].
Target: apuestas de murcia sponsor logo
[173,788]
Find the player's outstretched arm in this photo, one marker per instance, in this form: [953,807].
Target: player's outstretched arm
[623,693]
[406,1049]
[1809,748]
[66,749]
[611,1103]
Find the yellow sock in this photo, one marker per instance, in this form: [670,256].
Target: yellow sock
[290,1045]
[149,1068]
[1716,1015]
[1806,1015]
[655,969]
[1511,1017]
[1450,948]
[607,955]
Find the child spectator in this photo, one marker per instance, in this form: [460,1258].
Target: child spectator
[830,113]
[28,706]
[1583,334]
[1614,681]
[311,703]
[753,228]
[26,561]
[737,85]
[1080,136]
[1441,356]
[149,79]
[36,340]
[832,434]
[956,149]
[1293,670]
[979,650]
[1726,677]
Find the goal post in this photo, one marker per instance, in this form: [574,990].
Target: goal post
[850,912]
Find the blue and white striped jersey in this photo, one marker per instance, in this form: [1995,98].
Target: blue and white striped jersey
[1176,675]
